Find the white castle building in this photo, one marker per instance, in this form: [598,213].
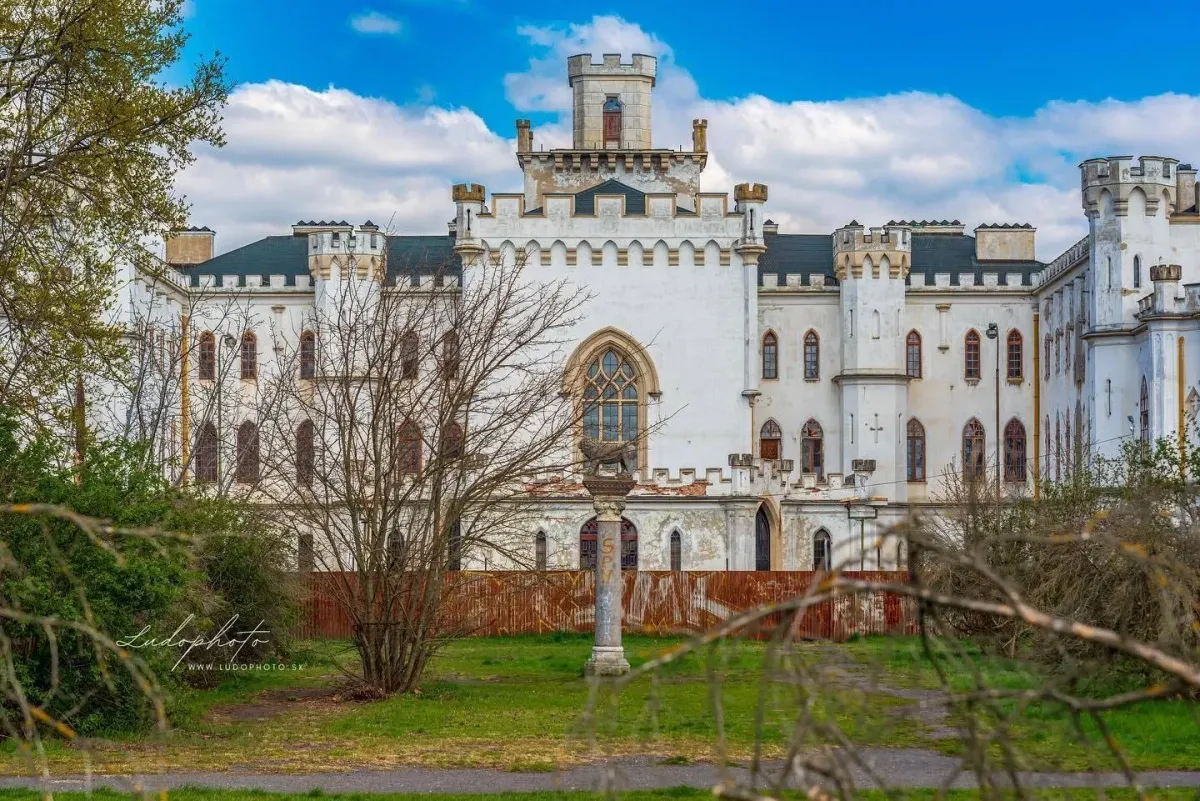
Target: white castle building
[815,387]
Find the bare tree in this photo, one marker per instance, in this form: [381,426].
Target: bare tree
[399,437]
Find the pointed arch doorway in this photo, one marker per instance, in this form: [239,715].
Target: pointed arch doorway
[762,539]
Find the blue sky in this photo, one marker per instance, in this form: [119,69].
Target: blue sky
[963,110]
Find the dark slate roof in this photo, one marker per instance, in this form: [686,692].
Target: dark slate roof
[812,254]
[797,253]
[408,257]
[942,253]
[635,200]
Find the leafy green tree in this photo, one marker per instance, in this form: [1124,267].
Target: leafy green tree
[91,139]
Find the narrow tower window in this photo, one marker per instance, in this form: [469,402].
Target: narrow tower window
[612,121]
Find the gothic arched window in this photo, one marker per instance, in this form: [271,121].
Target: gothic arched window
[612,121]
[812,356]
[539,551]
[410,448]
[207,468]
[246,471]
[208,356]
[1137,272]
[308,355]
[812,448]
[454,548]
[450,355]
[1014,451]
[770,441]
[410,346]
[676,551]
[611,399]
[822,551]
[249,355]
[916,450]
[452,441]
[973,444]
[770,356]
[306,436]
[1144,412]
[912,348]
[1016,354]
[971,356]
[587,545]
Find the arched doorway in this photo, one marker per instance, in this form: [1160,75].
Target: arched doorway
[587,545]
[762,539]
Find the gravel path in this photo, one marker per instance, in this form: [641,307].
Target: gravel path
[901,767]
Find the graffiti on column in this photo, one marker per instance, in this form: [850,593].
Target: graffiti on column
[608,559]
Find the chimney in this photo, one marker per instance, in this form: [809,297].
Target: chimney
[190,246]
[1185,188]
[770,227]
[1004,242]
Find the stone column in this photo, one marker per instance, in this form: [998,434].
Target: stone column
[608,498]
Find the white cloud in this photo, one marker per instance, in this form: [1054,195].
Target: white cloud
[298,153]
[371,22]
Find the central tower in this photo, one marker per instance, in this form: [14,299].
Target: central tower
[611,101]
[611,138]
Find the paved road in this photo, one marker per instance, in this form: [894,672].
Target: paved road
[901,767]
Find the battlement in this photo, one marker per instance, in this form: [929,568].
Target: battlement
[640,66]
[856,248]
[468,193]
[1070,257]
[931,226]
[1159,170]
[1166,272]
[755,192]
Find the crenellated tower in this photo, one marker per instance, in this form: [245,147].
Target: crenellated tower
[1128,203]
[872,265]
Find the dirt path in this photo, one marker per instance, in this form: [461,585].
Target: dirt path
[900,767]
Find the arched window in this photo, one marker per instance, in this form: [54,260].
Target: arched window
[452,441]
[410,345]
[450,354]
[812,448]
[246,471]
[1016,355]
[812,356]
[770,356]
[973,444]
[1014,451]
[971,356]
[1057,447]
[587,545]
[611,396]
[676,551]
[762,540]
[612,121]
[1067,430]
[1137,272]
[410,448]
[539,551]
[913,354]
[876,329]
[208,356]
[1047,357]
[1144,412]
[249,355]
[916,450]
[454,548]
[306,435]
[207,468]
[308,355]
[770,441]
[822,551]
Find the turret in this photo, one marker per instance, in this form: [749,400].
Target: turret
[1127,202]
[612,101]
[468,201]
[524,136]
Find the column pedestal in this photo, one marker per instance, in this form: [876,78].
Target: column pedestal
[608,499]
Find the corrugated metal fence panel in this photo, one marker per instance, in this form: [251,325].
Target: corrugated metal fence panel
[522,602]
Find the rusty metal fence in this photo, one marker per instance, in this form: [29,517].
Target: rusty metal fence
[655,602]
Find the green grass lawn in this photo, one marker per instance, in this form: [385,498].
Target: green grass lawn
[1162,734]
[521,703]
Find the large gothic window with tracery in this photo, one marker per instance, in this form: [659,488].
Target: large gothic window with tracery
[611,397]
